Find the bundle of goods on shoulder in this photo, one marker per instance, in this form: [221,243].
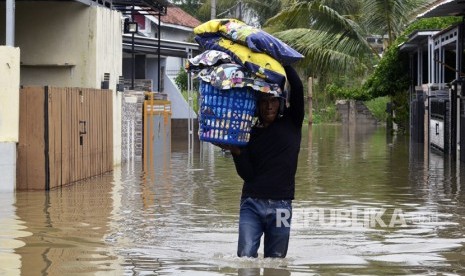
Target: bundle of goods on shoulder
[238,62]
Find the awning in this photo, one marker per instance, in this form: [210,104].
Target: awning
[145,45]
[148,7]
[417,38]
[445,8]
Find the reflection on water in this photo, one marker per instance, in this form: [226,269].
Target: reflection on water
[366,203]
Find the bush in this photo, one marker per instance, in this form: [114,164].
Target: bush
[377,106]
[400,107]
[352,93]
[181,81]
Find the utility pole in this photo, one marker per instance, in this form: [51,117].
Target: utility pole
[133,60]
[10,23]
[213,9]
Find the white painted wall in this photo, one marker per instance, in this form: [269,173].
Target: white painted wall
[174,63]
[9,116]
[177,34]
[109,59]
[179,106]
[9,94]
[69,44]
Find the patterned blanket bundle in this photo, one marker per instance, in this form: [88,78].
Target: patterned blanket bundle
[238,55]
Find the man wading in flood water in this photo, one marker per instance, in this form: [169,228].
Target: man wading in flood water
[268,165]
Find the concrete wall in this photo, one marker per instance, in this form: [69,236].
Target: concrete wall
[69,44]
[176,33]
[355,113]
[173,64]
[180,107]
[9,115]
[152,73]
[180,127]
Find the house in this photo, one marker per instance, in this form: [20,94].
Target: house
[160,67]
[437,100]
[75,43]
[60,43]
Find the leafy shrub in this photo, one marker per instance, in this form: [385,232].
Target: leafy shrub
[377,106]
[181,81]
[355,93]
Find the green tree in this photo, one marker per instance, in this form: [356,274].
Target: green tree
[390,17]
[332,34]
[252,12]
[391,76]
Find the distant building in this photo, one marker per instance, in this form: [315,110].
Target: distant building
[378,43]
[176,43]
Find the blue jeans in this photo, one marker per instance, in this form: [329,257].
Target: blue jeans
[264,216]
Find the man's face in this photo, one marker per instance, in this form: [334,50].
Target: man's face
[268,107]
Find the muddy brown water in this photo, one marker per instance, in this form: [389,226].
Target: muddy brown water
[366,203]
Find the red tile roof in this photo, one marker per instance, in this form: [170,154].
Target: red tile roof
[175,15]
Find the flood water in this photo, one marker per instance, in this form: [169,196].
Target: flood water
[366,203]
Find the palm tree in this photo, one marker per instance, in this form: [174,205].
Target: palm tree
[332,34]
[253,12]
[390,17]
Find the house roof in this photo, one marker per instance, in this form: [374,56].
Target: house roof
[417,39]
[444,8]
[176,16]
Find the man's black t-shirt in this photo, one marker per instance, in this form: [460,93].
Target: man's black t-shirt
[269,161]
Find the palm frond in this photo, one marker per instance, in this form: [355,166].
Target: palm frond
[325,51]
[390,16]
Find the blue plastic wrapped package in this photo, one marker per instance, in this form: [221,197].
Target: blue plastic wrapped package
[255,39]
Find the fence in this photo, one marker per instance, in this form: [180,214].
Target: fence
[157,132]
[439,124]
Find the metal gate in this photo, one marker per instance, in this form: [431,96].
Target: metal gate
[65,135]
[439,125]
[157,133]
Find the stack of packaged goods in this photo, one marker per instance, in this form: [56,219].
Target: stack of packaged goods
[238,62]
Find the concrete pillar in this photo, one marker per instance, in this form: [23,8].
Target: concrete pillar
[10,23]
[7,167]
[310,100]
[9,116]
[352,112]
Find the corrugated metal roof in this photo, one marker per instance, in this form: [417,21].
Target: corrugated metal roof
[177,16]
[416,39]
[445,8]
[170,48]
[146,7]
